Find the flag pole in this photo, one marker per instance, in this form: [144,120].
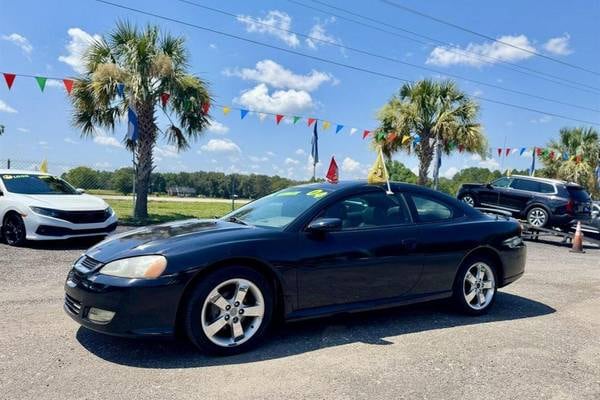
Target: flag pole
[387,176]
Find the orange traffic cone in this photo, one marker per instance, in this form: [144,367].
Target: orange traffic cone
[578,240]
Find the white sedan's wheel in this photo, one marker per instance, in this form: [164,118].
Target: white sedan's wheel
[479,286]
[232,312]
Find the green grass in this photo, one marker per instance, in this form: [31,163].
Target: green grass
[165,211]
[103,192]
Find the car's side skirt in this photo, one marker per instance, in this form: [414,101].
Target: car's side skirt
[336,309]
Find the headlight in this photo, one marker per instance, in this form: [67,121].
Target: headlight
[513,242]
[145,267]
[46,211]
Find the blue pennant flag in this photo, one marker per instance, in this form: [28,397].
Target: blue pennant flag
[132,125]
[565,156]
[314,152]
[121,89]
[532,169]
[338,128]
[243,113]
[416,139]
[522,151]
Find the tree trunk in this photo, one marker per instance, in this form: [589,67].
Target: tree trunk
[143,154]
[425,155]
[436,163]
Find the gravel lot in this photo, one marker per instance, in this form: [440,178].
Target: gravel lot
[542,340]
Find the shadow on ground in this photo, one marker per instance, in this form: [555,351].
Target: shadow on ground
[301,337]
[70,244]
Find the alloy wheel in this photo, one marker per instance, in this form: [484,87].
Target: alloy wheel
[469,200]
[13,231]
[479,286]
[537,217]
[232,312]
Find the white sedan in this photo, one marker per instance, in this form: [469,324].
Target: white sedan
[39,206]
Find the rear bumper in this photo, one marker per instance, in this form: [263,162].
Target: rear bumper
[142,307]
[513,263]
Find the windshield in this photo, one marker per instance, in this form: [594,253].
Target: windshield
[36,184]
[279,209]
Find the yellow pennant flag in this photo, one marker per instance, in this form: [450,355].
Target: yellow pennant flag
[405,139]
[378,172]
[226,110]
[326,124]
[44,167]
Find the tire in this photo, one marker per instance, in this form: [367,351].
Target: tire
[213,316]
[537,217]
[13,230]
[472,294]
[469,199]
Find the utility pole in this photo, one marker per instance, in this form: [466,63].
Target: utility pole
[232,192]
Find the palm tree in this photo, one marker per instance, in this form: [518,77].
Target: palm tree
[1,129]
[146,64]
[581,148]
[443,117]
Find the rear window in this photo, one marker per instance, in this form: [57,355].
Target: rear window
[578,193]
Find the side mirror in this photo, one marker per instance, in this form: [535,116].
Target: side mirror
[489,186]
[325,225]
[80,191]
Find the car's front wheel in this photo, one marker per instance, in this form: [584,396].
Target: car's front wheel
[13,230]
[475,286]
[229,311]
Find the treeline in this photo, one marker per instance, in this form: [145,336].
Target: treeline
[207,184]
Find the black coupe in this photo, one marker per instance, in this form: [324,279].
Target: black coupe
[303,252]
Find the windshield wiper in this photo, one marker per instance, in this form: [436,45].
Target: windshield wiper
[236,220]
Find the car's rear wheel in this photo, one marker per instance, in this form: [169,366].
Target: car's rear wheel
[13,230]
[475,286]
[468,199]
[229,311]
[537,217]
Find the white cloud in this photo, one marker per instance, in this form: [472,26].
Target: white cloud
[20,41]
[559,45]
[70,141]
[256,159]
[350,165]
[483,52]
[275,24]
[270,153]
[275,75]
[168,151]
[6,108]
[544,119]
[300,152]
[490,163]
[104,139]
[43,143]
[24,130]
[318,35]
[279,102]
[213,46]
[217,127]
[221,146]
[103,165]
[291,161]
[76,48]
[450,172]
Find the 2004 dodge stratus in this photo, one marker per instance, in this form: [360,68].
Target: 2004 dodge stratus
[306,251]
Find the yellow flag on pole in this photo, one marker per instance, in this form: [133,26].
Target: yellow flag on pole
[378,172]
[44,167]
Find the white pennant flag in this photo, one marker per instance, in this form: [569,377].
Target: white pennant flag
[262,116]
[513,151]
[353,131]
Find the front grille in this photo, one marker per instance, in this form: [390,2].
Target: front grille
[72,305]
[56,231]
[86,264]
[84,217]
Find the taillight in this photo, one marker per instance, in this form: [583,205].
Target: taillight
[570,207]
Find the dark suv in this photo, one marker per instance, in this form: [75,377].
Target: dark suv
[542,202]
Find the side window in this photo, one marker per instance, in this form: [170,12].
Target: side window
[501,182]
[546,188]
[369,210]
[430,210]
[526,184]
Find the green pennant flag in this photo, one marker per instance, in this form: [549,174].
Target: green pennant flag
[296,119]
[41,81]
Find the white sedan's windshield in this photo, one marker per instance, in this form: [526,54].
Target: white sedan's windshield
[279,209]
[36,184]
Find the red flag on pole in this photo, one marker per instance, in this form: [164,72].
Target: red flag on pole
[538,151]
[9,78]
[507,151]
[332,173]
[366,133]
[68,85]
[311,120]
[205,107]
[164,98]
[278,118]
[461,148]
[391,137]
[499,152]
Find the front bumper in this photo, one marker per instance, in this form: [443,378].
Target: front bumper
[40,227]
[143,307]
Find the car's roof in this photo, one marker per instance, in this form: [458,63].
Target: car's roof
[20,172]
[357,184]
[548,180]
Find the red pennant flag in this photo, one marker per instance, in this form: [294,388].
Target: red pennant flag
[311,120]
[332,173]
[9,78]
[552,155]
[461,148]
[578,159]
[68,85]
[278,118]
[391,137]
[164,98]
[205,108]
[538,151]
[507,151]
[499,152]
[366,133]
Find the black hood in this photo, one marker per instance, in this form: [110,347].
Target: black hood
[164,238]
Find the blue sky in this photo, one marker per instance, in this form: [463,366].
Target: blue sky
[45,38]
